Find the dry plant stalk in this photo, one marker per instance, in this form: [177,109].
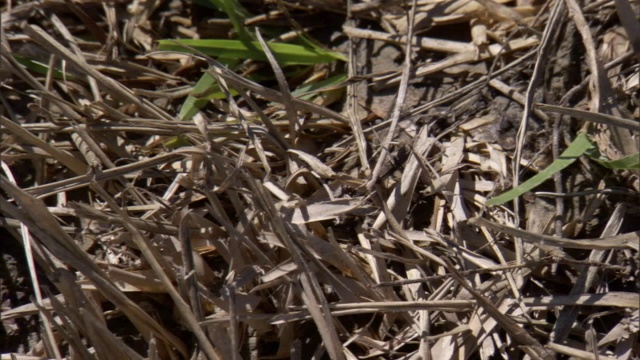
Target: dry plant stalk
[287,220]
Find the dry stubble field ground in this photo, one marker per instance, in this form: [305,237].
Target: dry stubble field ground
[277,179]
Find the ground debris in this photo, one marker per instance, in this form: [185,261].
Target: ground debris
[316,185]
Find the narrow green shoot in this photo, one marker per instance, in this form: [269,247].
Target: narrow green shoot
[205,89]
[41,68]
[576,149]
[235,11]
[286,54]
[308,91]
[631,162]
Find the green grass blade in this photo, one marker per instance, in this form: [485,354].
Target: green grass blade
[631,162]
[41,68]
[204,90]
[308,91]
[578,147]
[240,10]
[286,54]
[234,10]
[176,142]
[237,16]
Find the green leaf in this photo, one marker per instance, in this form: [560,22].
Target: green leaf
[578,147]
[220,5]
[176,142]
[631,162]
[41,68]
[286,54]
[308,91]
[234,10]
[205,90]
[237,14]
